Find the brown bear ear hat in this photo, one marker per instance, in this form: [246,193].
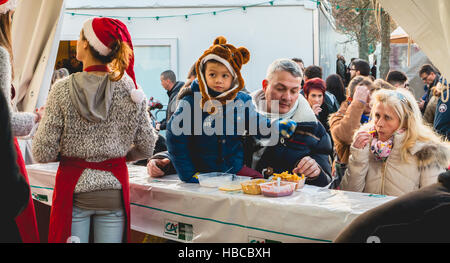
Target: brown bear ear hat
[231,57]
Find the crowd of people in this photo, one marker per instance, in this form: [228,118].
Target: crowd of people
[348,131]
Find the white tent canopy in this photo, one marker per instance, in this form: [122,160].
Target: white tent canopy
[428,23]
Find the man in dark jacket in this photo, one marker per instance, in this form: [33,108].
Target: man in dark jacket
[419,216]
[341,68]
[430,77]
[441,122]
[305,152]
[14,190]
[170,83]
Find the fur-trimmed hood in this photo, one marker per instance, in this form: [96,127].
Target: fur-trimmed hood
[427,153]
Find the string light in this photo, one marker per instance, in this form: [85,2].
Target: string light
[186,16]
[243,8]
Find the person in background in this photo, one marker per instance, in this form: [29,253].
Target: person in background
[59,74]
[341,68]
[351,115]
[14,189]
[316,72]
[314,90]
[420,216]
[170,83]
[21,123]
[191,76]
[335,86]
[93,139]
[382,84]
[359,67]
[441,122]
[431,108]
[301,64]
[430,77]
[395,153]
[397,79]
[373,69]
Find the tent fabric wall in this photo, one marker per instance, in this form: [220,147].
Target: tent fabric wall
[36,31]
[428,23]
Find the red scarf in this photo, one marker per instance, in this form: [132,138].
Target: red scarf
[69,171]
[101,68]
[26,221]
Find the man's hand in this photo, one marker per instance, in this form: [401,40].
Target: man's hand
[308,166]
[154,167]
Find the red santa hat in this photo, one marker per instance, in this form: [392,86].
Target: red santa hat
[7,5]
[101,32]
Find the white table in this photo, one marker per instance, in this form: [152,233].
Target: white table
[169,208]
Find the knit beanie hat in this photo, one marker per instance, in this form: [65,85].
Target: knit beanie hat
[314,83]
[231,57]
[101,33]
[7,5]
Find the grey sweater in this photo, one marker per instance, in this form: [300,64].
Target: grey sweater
[21,122]
[126,131]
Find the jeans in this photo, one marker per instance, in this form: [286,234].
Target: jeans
[108,225]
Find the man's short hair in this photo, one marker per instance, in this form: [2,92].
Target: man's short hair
[313,72]
[284,65]
[395,77]
[427,68]
[357,81]
[170,75]
[362,66]
[298,60]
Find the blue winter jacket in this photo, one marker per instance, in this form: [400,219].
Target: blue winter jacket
[310,139]
[205,152]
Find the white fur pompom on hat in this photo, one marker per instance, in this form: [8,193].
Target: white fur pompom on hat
[137,95]
[7,5]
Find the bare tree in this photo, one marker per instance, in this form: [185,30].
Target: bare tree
[357,19]
[384,26]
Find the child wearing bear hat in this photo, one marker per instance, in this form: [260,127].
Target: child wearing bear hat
[216,95]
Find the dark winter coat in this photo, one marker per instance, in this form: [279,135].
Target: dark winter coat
[419,216]
[173,93]
[14,190]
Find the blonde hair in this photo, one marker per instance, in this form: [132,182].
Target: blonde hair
[118,59]
[405,106]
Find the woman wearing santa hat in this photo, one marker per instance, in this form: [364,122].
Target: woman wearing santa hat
[22,123]
[95,122]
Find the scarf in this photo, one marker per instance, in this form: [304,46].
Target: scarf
[382,149]
[259,100]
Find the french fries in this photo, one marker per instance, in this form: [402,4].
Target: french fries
[288,177]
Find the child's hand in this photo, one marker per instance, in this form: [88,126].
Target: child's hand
[287,127]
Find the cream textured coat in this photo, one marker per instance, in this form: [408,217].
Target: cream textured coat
[127,131]
[21,122]
[395,177]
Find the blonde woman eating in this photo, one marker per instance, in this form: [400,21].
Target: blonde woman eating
[395,153]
